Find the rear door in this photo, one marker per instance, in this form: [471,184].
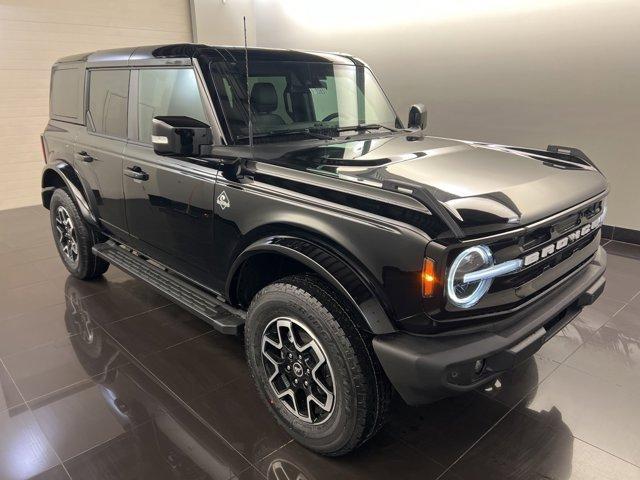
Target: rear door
[169,200]
[99,148]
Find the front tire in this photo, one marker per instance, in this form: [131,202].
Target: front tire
[313,367]
[74,238]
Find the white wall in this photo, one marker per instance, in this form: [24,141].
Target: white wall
[524,72]
[219,22]
[33,34]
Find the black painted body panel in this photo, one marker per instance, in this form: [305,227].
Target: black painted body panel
[172,211]
[103,176]
[389,255]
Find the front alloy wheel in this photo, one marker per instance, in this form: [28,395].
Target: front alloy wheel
[298,370]
[312,366]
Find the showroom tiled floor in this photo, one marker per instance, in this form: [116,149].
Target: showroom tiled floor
[108,380]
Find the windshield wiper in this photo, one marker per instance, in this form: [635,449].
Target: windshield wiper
[367,126]
[278,133]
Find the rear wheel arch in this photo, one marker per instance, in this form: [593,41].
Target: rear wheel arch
[270,259]
[60,174]
[51,180]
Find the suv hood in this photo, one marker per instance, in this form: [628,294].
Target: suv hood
[485,188]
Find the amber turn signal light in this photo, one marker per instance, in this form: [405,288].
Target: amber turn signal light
[428,277]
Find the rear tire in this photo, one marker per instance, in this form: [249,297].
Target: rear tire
[312,312]
[74,238]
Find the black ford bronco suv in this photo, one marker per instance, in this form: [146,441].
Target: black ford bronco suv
[276,194]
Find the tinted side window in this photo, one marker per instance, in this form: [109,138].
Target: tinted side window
[108,98]
[65,92]
[167,92]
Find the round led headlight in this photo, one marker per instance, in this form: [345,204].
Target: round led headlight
[466,294]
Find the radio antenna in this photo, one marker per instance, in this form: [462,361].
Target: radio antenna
[246,67]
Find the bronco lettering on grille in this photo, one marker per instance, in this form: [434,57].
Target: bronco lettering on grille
[561,243]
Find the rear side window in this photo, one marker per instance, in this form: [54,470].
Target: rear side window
[67,85]
[108,100]
[167,91]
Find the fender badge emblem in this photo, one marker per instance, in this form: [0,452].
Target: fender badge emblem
[223,200]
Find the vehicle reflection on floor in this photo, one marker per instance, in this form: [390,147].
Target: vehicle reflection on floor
[166,445]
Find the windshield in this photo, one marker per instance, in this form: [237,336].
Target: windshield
[290,96]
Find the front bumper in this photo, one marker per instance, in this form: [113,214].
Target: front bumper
[427,368]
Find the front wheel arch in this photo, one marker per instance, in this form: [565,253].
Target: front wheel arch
[302,256]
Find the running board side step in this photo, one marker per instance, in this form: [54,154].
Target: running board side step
[223,318]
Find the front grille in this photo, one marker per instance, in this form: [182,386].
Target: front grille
[510,291]
[524,276]
[563,225]
[545,235]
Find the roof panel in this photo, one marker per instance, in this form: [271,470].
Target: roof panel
[147,54]
[118,57]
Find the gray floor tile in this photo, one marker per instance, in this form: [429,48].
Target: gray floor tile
[538,446]
[167,447]
[62,363]
[568,340]
[380,458]
[613,353]
[24,449]
[594,410]
[9,395]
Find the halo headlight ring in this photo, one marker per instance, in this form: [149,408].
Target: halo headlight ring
[466,301]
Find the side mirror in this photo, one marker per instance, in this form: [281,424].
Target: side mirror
[183,136]
[417,117]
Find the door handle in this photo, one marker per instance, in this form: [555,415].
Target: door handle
[136,173]
[83,157]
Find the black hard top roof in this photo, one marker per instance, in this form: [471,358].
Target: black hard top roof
[154,54]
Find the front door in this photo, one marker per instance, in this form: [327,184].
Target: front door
[100,147]
[169,200]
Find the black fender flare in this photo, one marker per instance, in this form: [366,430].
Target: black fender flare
[66,173]
[330,267]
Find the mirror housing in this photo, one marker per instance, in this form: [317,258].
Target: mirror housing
[180,136]
[417,117]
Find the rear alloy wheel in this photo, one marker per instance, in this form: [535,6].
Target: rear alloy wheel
[74,238]
[67,239]
[314,369]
